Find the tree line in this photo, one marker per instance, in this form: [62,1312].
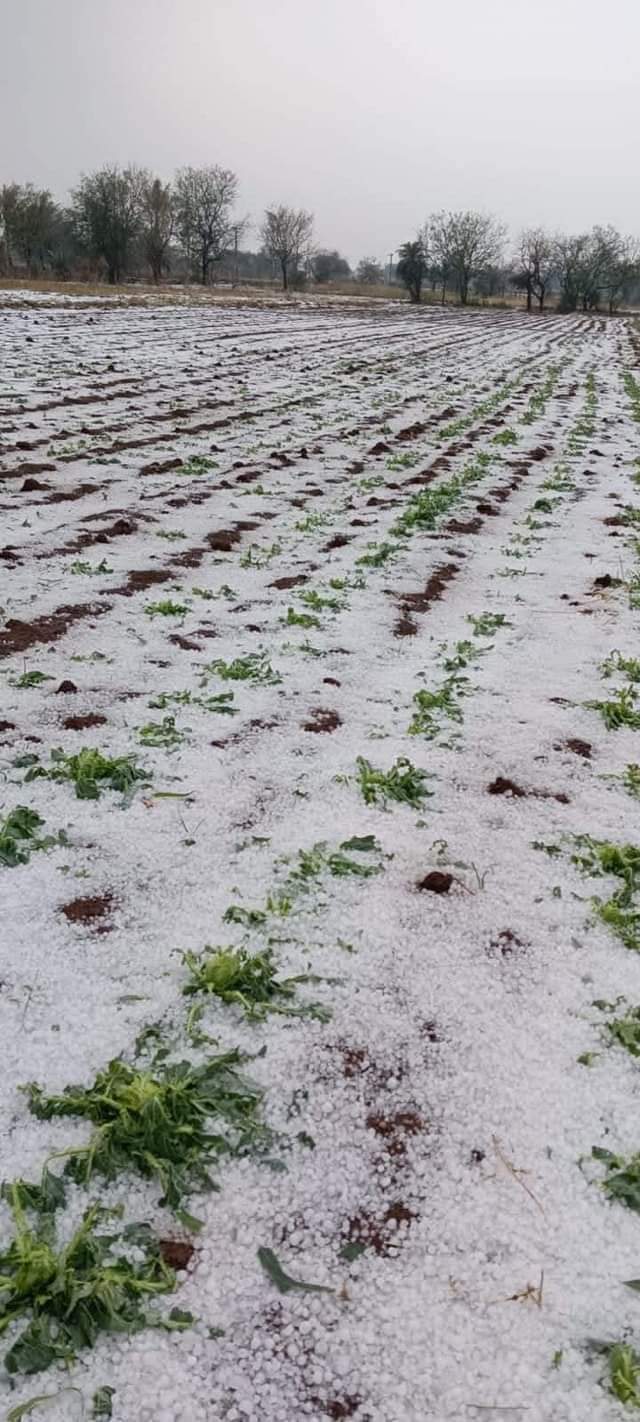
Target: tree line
[126,222]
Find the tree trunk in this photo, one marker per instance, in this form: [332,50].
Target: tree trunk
[203,268]
[285,275]
[541,301]
[528,296]
[463,287]
[444,289]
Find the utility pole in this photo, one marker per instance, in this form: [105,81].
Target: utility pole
[235,256]
[390,268]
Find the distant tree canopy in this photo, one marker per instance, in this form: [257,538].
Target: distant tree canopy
[412,267]
[286,234]
[124,222]
[329,266]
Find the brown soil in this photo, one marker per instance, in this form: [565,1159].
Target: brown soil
[177,1253]
[418,602]
[503,786]
[33,486]
[394,1129]
[19,636]
[436,882]
[379,1233]
[322,720]
[338,1408]
[606,581]
[67,496]
[67,688]
[331,681]
[458,525]
[579,747]
[7,726]
[162,466]
[507,942]
[339,540]
[187,644]
[89,911]
[82,723]
[290,582]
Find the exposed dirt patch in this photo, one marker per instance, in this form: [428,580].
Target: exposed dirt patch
[322,720]
[162,466]
[379,1233]
[394,1129]
[83,723]
[503,786]
[579,747]
[7,726]
[18,636]
[186,643]
[459,525]
[506,943]
[419,602]
[67,688]
[140,579]
[605,581]
[437,881]
[337,1407]
[293,581]
[339,540]
[90,912]
[177,1253]
[33,486]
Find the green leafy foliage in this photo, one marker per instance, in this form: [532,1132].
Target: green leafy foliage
[505,437]
[197,465]
[91,772]
[624,1372]
[432,706]
[29,678]
[427,507]
[283,1282]
[166,608]
[161,733]
[255,667]
[319,602]
[102,1403]
[378,554]
[73,1294]
[250,981]
[486,623]
[628,667]
[300,619]
[90,569]
[168,1124]
[404,783]
[626,1030]
[622,1180]
[19,836]
[221,705]
[619,710]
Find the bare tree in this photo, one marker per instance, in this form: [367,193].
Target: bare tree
[108,207]
[330,266]
[438,238]
[464,244]
[412,267]
[158,219]
[286,236]
[204,199]
[369,272]
[534,265]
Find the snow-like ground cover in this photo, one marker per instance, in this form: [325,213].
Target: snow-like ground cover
[266,554]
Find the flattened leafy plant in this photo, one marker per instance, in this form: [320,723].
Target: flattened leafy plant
[250,981]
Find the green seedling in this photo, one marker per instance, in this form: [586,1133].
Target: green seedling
[403,784]
[426,508]
[487,623]
[628,667]
[90,569]
[19,836]
[300,619]
[250,981]
[73,1294]
[169,1125]
[166,608]
[311,523]
[172,535]
[161,733]
[378,554]
[624,1370]
[318,602]
[619,710]
[626,1030]
[198,464]
[256,557]
[29,679]
[622,1179]
[432,706]
[91,772]
[221,704]
[505,437]
[255,667]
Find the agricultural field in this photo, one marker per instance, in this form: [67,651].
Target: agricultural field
[319,850]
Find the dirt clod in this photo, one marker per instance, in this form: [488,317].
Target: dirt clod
[89,911]
[437,881]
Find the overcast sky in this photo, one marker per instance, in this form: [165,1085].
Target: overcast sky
[369,112]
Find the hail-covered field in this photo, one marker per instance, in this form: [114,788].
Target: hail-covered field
[320,715]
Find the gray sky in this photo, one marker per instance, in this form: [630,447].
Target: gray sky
[369,112]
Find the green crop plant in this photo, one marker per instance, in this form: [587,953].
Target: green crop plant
[91,772]
[618,710]
[166,608]
[403,784]
[72,1294]
[169,1124]
[250,981]
[19,836]
[161,733]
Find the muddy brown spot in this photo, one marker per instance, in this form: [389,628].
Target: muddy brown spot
[579,747]
[438,881]
[379,1233]
[177,1253]
[503,786]
[339,540]
[322,720]
[418,602]
[292,581]
[18,636]
[186,643]
[66,688]
[7,726]
[89,911]
[161,466]
[506,942]
[83,723]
